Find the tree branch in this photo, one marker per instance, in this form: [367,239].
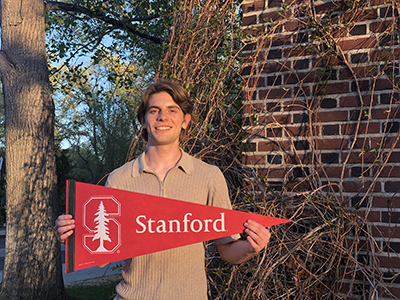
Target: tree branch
[125,25]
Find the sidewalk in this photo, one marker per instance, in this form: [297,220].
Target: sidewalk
[89,273]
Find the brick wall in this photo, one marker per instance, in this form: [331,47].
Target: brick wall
[323,106]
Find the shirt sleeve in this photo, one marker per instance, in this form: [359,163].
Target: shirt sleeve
[219,197]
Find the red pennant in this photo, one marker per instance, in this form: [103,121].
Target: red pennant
[112,224]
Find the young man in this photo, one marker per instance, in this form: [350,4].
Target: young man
[165,170]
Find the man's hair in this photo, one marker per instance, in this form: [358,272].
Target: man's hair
[178,94]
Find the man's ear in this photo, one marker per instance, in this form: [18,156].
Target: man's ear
[186,120]
[142,120]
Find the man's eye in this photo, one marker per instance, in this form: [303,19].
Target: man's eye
[152,111]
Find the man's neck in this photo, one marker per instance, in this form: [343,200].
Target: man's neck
[161,159]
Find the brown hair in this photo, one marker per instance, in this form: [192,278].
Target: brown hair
[178,94]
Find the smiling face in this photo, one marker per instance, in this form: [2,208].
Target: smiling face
[164,120]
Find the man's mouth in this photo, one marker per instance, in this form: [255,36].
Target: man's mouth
[163,127]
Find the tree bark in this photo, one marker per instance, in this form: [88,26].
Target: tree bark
[32,267]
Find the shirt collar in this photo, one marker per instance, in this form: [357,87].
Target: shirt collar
[185,164]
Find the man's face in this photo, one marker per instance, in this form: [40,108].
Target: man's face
[164,120]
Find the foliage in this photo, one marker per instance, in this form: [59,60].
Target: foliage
[78,28]
[95,109]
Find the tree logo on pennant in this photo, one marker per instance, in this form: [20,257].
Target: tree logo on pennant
[103,229]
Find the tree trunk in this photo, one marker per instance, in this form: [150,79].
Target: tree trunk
[32,267]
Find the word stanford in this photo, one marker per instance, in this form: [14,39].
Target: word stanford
[185,225]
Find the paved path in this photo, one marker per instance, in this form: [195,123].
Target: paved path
[88,273]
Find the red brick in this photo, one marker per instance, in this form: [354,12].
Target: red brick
[394,157]
[327,7]
[294,131]
[322,62]
[256,82]
[297,105]
[299,158]
[381,26]
[389,142]
[274,16]
[392,232]
[273,172]
[384,113]
[254,31]
[370,215]
[280,40]
[249,20]
[377,2]
[360,43]
[359,72]
[274,67]
[393,292]
[273,146]
[250,108]
[392,186]
[363,128]
[333,172]
[274,93]
[298,50]
[333,116]
[253,6]
[389,54]
[389,172]
[337,88]
[385,84]
[296,77]
[357,158]
[359,186]
[253,159]
[388,262]
[292,25]
[331,144]
[255,132]
[386,202]
[275,118]
[354,101]
[368,14]
[361,143]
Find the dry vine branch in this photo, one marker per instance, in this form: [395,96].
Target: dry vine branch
[318,255]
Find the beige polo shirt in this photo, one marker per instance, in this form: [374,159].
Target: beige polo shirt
[177,273]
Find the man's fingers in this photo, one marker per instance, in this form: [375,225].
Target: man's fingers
[64,226]
[62,238]
[258,235]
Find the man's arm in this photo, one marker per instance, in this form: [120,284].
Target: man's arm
[240,251]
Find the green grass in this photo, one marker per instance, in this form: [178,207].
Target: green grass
[103,291]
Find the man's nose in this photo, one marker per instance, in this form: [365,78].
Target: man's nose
[161,115]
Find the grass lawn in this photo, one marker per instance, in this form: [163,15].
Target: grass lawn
[103,289]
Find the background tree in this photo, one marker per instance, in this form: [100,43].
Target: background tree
[96,114]
[32,267]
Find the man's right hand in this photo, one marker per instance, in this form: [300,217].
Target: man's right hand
[64,227]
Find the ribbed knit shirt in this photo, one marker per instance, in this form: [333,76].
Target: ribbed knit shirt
[179,273]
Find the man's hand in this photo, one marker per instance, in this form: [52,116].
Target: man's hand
[258,235]
[64,227]
[240,251]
